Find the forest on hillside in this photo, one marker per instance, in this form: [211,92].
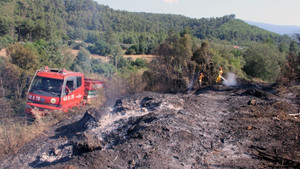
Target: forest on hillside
[88,21]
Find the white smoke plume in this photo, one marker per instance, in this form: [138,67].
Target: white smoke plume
[191,84]
[230,80]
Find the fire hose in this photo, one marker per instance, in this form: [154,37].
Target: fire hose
[223,78]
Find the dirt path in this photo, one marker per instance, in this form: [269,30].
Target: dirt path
[215,127]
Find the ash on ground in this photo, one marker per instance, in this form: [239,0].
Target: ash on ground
[249,126]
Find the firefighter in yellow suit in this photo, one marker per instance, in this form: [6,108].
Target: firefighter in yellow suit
[200,79]
[219,78]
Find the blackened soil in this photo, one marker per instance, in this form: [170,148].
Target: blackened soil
[250,126]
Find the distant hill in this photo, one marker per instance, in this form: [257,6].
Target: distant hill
[280,29]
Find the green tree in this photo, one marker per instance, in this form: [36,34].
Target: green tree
[83,61]
[25,58]
[5,25]
[203,57]
[263,61]
[54,53]
[101,48]
[5,41]
[104,68]
[140,63]
[174,70]
[291,68]
[117,59]
[13,81]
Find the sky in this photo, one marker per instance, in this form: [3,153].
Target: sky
[276,12]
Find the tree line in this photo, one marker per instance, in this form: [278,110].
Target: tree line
[86,20]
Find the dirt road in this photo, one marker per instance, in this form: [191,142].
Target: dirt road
[250,126]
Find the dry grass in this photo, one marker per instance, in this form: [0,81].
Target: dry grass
[149,58]
[107,59]
[257,80]
[16,131]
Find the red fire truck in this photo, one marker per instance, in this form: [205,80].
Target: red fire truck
[59,89]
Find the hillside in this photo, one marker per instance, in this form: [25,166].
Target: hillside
[248,126]
[87,20]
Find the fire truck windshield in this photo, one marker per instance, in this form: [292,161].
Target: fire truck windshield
[46,86]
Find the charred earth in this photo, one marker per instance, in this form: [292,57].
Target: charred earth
[249,126]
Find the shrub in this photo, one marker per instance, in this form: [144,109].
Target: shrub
[104,68]
[263,61]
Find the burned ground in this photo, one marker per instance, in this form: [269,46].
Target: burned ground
[250,126]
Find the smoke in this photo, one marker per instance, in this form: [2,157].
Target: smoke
[230,80]
[191,84]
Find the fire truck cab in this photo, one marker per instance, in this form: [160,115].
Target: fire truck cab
[53,89]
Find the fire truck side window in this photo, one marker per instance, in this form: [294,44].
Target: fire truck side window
[73,83]
[70,84]
[79,81]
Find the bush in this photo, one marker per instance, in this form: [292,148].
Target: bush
[140,63]
[263,61]
[83,61]
[104,68]
[25,57]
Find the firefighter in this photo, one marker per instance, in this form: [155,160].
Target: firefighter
[67,89]
[200,79]
[219,78]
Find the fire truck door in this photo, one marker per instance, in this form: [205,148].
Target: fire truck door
[73,94]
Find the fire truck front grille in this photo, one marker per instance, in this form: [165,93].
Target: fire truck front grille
[47,104]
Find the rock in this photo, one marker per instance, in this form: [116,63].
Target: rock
[149,103]
[118,107]
[88,142]
[85,140]
[252,102]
